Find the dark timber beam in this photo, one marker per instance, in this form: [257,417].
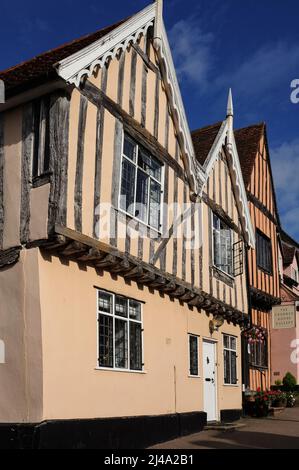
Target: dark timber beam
[105,256]
[133,127]
[9,257]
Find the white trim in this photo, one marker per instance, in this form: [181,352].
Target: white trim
[232,350]
[212,242]
[193,168]
[128,320]
[215,342]
[127,371]
[83,62]
[161,183]
[237,177]
[243,202]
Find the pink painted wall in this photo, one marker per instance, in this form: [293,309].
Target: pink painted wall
[283,352]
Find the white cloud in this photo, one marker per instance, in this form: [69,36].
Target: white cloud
[285,166]
[262,72]
[191,49]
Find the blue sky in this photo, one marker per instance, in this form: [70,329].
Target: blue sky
[252,46]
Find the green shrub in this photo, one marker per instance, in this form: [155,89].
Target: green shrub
[289,382]
[278,383]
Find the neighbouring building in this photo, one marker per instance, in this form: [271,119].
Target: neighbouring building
[122,253]
[262,260]
[285,318]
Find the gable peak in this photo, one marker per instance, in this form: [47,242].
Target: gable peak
[230,106]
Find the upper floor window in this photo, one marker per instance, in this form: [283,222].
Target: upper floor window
[230,359]
[258,353]
[119,332]
[222,245]
[141,184]
[263,252]
[41,144]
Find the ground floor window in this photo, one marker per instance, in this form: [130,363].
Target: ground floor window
[193,356]
[230,359]
[119,332]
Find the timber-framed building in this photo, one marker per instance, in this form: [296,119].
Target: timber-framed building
[122,259]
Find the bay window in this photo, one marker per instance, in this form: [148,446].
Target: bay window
[141,184]
[119,332]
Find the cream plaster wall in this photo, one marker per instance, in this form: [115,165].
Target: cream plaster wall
[74,388]
[20,330]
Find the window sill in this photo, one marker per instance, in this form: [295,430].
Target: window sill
[265,271]
[38,181]
[253,366]
[194,376]
[121,370]
[223,276]
[231,385]
[138,221]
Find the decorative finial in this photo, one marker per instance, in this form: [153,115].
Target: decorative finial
[230,106]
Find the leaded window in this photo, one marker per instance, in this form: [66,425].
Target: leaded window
[230,359]
[141,184]
[119,332]
[222,245]
[193,356]
[258,353]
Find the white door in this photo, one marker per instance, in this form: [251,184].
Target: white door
[209,377]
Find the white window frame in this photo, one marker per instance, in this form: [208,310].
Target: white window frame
[232,243]
[118,317]
[161,183]
[294,274]
[189,357]
[224,348]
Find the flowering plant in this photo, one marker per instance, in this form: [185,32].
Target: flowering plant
[262,403]
[291,400]
[255,334]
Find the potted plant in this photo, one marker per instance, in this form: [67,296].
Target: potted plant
[278,399]
[290,400]
[262,403]
[255,334]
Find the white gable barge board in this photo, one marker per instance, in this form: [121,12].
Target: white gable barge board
[234,164]
[83,62]
[195,172]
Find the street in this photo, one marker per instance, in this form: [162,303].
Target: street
[280,432]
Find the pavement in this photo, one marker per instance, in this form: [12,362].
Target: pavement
[277,432]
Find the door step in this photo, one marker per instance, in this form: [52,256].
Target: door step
[223,426]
